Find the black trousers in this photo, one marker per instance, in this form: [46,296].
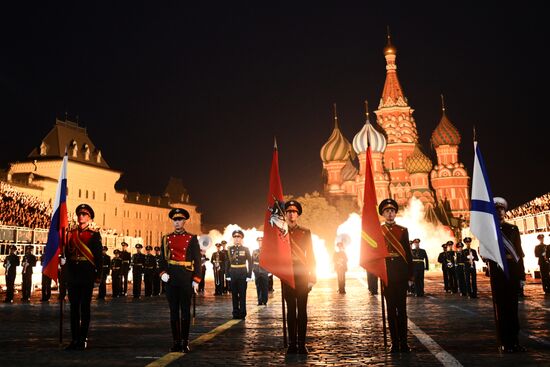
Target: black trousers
[10,284]
[545,277]
[461,279]
[124,280]
[27,284]
[116,283]
[341,281]
[505,298]
[137,277]
[296,313]
[80,296]
[418,272]
[46,287]
[148,282]
[372,281]
[471,280]
[396,300]
[219,279]
[178,294]
[156,283]
[238,293]
[102,290]
[262,287]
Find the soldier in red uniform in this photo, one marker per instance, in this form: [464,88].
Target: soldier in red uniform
[400,272]
[180,269]
[303,264]
[83,253]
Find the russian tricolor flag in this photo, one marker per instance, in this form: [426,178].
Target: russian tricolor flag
[58,225]
[484,222]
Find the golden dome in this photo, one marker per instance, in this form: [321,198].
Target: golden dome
[417,162]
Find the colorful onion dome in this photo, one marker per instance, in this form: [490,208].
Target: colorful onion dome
[349,172]
[445,133]
[417,162]
[390,48]
[337,147]
[368,135]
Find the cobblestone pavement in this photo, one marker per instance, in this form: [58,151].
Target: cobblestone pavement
[344,330]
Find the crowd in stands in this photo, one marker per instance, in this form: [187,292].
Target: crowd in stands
[535,206]
[22,210]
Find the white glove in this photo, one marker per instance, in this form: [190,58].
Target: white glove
[195,286]
[62,261]
[309,286]
[470,257]
[522,283]
[411,283]
[228,279]
[269,274]
[165,277]
[248,279]
[544,253]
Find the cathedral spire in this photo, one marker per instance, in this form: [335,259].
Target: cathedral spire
[442,103]
[335,117]
[392,95]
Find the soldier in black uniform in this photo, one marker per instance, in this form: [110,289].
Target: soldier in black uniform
[28,263]
[372,282]
[116,278]
[239,271]
[505,295]
[149,269]
[542,251]
[420,263]
[304,269]
[400,273]
[11,262]
[126,258]
[138,260]
[62,277]
[84,265]
[204,259]
[218,267]
[227,282]
[341,266]
[157,286]
[447,260]
[269,275]
[260,275]
[46,284]
[442,260]
[470,268]
[102,291]
[460,258]
[180,270]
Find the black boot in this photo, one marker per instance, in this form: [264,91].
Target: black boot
[176,336]
[185,346]
[302,349]
[292,349]
[185,335]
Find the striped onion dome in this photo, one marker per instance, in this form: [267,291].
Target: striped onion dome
[369,135]
[445,133]
[337,147]
[417,162]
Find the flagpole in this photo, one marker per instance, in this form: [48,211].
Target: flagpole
[59,280]
[285,343]
[384,315]
[491,264]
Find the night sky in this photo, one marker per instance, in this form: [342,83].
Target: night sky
[167,89]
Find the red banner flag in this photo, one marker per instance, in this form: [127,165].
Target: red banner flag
[275,256]
[373,246]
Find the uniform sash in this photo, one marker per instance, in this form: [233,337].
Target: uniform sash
[393,242]
[82,247]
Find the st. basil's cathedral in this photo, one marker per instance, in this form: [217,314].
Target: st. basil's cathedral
[400,169]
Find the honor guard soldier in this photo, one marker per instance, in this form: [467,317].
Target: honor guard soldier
[239,272]
[421,264]
[116,274]
[341,266]
[62,277]
[218,267]
[149,269]
[543,254]
[470,268]
[126,258]
[303,266]
[400,272]
[138,260]
[204,259]
[156,274]
[447,260]
[505,288]
[46,283]
[28,263]
[102,291]
[269,275]
[180,270]
[260,275]
[460,258]
[84,265]
[226,282]
[11,262]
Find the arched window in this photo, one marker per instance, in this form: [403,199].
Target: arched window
[43,149]
[86,148]
[74,149]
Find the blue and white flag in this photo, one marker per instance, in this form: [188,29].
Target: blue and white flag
[484,222]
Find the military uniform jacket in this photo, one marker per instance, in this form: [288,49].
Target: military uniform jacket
[125,258]
[29,261]
[239,261]
[84,256]
[397,242]
[180,251]
[11,262]
[256,263]
[218,260]
[303,257]
[460,257]
[516,269]
[470,263]
[106,265]
[340,261]
[150,264]
[138,260]
[539,250]
[419,256]
[447,259]
[116,265]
